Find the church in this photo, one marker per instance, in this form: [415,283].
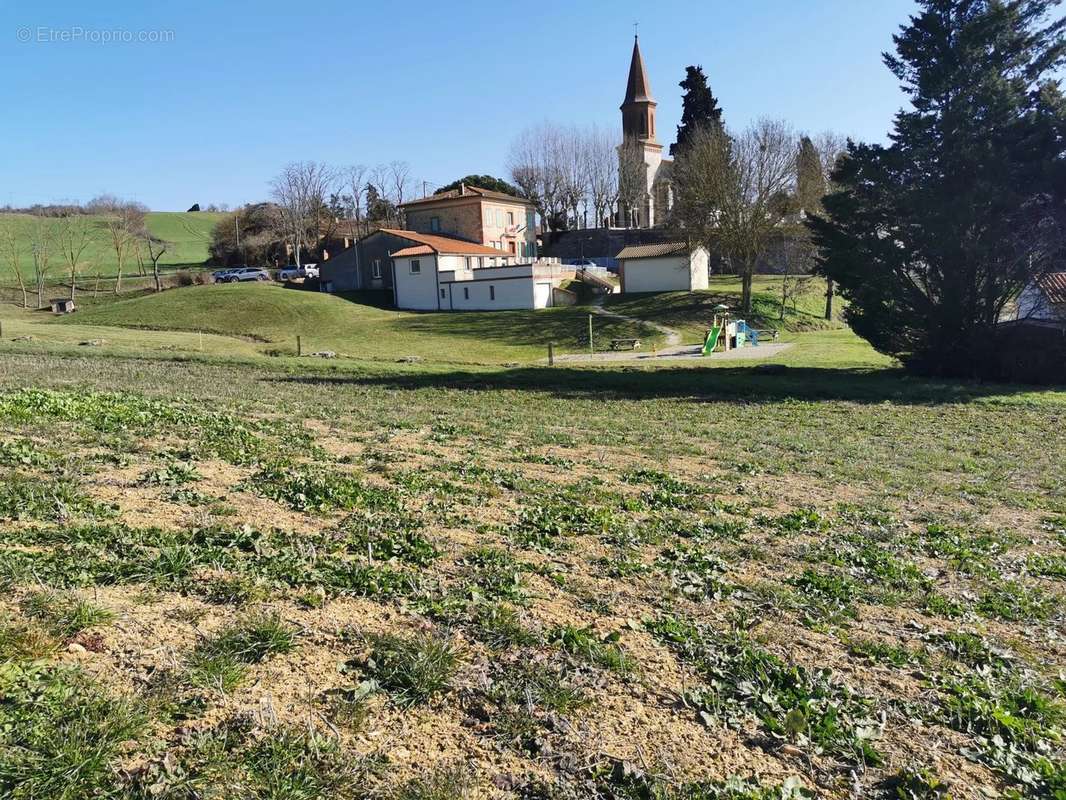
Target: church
[644,175]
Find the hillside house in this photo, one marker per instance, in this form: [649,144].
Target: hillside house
[493,219]
[667,267]
[440,273]
[1044,299]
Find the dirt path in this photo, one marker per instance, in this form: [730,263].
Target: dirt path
[673,338]
[679,352]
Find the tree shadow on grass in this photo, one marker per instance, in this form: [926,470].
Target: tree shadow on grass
[749,384]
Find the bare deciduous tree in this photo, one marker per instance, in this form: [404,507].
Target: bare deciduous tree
[155,247]
[632,181]
[728,191]
[355,184]
[535,167]
[124,221]
[830,146]
[300,192]
[601,167]
[41,240]
[75,235]
[12,252]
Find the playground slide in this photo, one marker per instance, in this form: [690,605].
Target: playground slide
[712,340]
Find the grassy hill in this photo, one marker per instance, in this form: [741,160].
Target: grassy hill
[189,235]
[270,317]
[691,312]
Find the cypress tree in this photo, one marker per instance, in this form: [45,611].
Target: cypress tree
[930,237]
[810,179]
[698,107]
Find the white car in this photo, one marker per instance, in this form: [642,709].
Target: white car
[292,272]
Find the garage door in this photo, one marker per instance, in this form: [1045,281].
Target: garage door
[542,295]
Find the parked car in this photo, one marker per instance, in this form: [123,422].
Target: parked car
[292,272]
[584,263]
[246,274]
[219,275]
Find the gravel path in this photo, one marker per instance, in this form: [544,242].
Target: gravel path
[673,338]
[678,353]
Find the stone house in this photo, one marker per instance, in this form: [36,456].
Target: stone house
[493,219]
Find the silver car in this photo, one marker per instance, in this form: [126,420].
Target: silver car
[246,274]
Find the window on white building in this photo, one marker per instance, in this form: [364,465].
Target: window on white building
[466,292]
[492,293]
[468,261]
[443,294]
[510,218]
[416,267]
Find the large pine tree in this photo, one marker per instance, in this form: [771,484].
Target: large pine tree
[698,107]
[931,237]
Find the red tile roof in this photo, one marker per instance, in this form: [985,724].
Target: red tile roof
[469,191]
[417,250]
[1053,285]
[442,244]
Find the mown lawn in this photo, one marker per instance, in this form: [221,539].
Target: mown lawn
[691,313]
[283,579]
[271,317]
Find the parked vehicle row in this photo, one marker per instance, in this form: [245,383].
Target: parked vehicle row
[243,274]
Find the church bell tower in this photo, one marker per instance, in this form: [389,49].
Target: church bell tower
[638,109]
[638,126]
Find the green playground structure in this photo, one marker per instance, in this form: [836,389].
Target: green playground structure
[711,341]
[730,334]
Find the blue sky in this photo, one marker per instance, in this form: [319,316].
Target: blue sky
[242,88]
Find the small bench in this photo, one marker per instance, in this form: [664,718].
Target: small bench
[625,344]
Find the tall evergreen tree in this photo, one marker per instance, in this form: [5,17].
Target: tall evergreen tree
[929,238]
[810,179]
[698,107]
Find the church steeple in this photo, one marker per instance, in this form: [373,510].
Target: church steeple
[638,108]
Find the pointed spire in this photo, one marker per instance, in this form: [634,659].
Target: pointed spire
[639,89]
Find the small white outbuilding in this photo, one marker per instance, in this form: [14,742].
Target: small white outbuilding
[666,267]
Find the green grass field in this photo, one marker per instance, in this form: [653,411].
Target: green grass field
[691,312]
[266,318]
[256,320]
[189,235]
[265,578]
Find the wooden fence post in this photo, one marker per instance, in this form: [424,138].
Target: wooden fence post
[592,350]
[551,354]
[299,346]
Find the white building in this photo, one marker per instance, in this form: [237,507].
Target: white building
[438,273]
[1044,299]
[668,267]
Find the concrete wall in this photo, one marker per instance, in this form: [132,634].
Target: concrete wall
[671,273]
[490,295]
[417,292]
[699,264]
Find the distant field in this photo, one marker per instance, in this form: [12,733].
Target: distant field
[189,235]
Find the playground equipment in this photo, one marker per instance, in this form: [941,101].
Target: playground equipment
[729,333]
